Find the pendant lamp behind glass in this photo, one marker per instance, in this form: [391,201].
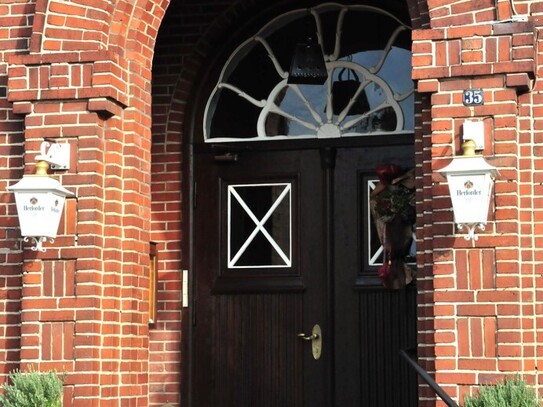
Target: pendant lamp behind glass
[308,66]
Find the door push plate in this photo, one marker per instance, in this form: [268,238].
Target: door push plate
[316,341]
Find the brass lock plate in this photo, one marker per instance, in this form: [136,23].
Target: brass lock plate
[316,342]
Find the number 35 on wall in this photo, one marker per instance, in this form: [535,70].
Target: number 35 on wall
[473,97]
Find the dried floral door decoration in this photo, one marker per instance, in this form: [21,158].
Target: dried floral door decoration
[392,205]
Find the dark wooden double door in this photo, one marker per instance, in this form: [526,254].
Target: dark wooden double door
[280,244]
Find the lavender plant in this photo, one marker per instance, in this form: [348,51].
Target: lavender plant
[32,389]
[511,392]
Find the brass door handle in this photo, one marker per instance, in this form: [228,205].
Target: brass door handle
[316,340]
[308,337]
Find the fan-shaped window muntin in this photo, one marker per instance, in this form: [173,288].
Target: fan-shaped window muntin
[369,90]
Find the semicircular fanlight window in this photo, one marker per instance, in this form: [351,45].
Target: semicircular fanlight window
[369,90]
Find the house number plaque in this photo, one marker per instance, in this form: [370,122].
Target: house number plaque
[473,97]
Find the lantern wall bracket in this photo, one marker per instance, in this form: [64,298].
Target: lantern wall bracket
[470,235]
[56,154]
[38,241]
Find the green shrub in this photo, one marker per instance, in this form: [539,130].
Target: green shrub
[512,392]
[32,389]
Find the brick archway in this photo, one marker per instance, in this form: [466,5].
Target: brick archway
[446,48]
[175,99]
[82,74]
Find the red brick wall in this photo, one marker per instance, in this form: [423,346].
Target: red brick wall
[479,303]
[81,72]
[84,302]
[15,28]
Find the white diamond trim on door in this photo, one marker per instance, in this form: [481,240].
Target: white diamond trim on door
[233,258]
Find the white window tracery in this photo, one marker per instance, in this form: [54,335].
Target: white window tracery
[379,97]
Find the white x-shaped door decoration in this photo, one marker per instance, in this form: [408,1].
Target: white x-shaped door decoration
[259,225]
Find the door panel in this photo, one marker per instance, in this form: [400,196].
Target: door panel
[372,324]
[250,306]
[281,244]
[387,325]
[257,359]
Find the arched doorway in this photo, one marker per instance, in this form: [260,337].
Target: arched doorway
[289,309]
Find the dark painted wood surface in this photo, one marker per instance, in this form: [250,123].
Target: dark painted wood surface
[244,344]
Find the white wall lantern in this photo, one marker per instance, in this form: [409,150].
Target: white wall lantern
[40,200]
[470,180]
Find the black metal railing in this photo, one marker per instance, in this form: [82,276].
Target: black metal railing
[428,379]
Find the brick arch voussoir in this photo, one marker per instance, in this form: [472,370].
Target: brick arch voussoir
[134,28]
[67,27]
[125,25]
[38,25]
[418,11]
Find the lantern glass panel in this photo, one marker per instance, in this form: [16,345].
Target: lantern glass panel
[39,212]
[470,195]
